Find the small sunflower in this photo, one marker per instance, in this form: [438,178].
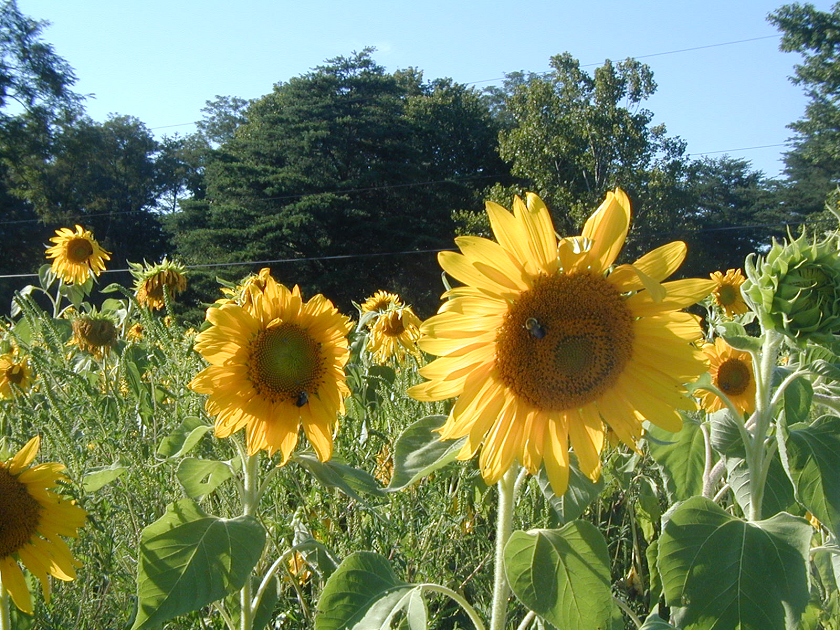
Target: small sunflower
[394,333]
[32,517]
[150,282]
[76,255]
[135,333]
[95,335]
[276,363]
[244,292]
[732,373]
[727,292]
[14,371]
[542,348]
[381,301]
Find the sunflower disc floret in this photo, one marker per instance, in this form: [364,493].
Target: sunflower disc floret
[796,288]
[544,348]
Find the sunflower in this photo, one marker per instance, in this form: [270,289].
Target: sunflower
[135,333]
[380,301]
[394,333]
[542,348]
[14,371]
[727,292]
[244,292]
[150,282]
[275,363]
[732,373]
[76,255]
[31,520]
[95,335]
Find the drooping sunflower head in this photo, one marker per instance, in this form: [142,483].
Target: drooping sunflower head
[394,334]
[732,373]
[543,347]
[15,374]
[796,288]
[94,334]
[151,281]
[245,291]
[727,292]
[276,363]
[76,255]
[32,517]
[381,301]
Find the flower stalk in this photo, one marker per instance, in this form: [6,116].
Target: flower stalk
[504,528]
[5,617]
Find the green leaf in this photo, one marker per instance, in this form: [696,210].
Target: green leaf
[797,405]
[189,559]
[265,611]
[778,491]
[580,493]
[184,438]
[683,461]
[360,581]
[728,573]
[811,455]
[651,554]
[655,622]
[647,508]
[416,612]
[563,575]
[382,613]
[419,452]
[202,476]
[725,435]
[336,474]
[98,478]
[825,368]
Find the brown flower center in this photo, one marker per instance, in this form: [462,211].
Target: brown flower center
[95,332]
[79,250]
[286,363]
[15,374]
[565,342]
[726,294]
[393,325]
[733,377]
[20,514]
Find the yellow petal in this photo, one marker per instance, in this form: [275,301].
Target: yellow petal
[586,433]
[556,456]
[511,235]
[25,455]
[15,584]
[657,264]
[678,294]
[607,229]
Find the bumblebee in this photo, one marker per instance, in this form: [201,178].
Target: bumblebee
[533,326]
[302,399]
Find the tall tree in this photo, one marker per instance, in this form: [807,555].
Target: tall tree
[346,160]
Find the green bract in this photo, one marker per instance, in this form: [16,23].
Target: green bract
[796,288]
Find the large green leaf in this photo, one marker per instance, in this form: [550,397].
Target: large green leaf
[189,559]
[725,573]
[725,434]
[362,580]
[811,455]
[778,491]
[336,474]
[100,477]
[419,451]
[563,575]
[797,401]
[580,493]
[682,458]
[184,438]
[202,476]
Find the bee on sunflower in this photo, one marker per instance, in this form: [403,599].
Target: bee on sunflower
[546,344]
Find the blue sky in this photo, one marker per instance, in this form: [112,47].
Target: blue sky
[161,60]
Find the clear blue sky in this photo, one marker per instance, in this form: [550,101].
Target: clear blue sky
[160,60]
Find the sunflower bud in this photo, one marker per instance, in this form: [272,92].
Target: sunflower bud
[796,288]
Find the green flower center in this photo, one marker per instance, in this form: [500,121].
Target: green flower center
[726,295]
[565,342]
[79,250]
[286,363]
[733,377]
[20,514]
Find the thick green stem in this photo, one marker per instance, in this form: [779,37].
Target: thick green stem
[504,527]
[250,499]
[5,618]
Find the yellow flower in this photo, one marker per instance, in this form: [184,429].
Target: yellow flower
[76,255]
[94,335]
[727,292]
[244,292]
[541,348]
[150,281]
[381,301]
[393,334]
[14,371]
[275,364]
[32,517]
[135,333]
[732,373]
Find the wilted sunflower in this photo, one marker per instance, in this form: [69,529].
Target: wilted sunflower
[732,373]
[541,348]
[244,292]
[394,333]
[95,335]
[275,364]
[14,370]
[32,518]
[380,301]
[150,281]
[727,292]
[76,255]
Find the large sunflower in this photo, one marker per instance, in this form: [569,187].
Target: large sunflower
[542,348]
[276,363]
[15,371]
[76,255]
[32,517]
[732,373]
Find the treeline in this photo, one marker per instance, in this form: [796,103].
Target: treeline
[356,175]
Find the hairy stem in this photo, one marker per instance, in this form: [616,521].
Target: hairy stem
[504,527]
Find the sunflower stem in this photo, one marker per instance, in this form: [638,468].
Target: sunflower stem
[5,618]
[504,527]
[250,499]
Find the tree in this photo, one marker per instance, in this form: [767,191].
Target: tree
[344,161]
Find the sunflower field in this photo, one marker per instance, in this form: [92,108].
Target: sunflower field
[570,443]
